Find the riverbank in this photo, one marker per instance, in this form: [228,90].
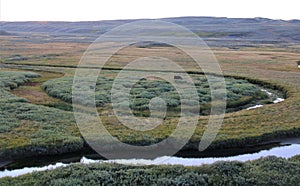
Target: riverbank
[279,148]
[263,171]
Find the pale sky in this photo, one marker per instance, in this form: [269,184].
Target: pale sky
[93,10]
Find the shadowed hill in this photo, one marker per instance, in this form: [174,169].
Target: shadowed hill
[219,31]
[4,33]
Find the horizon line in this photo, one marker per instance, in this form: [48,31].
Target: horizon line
[132,19]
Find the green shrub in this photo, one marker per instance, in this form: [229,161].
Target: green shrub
[239,93]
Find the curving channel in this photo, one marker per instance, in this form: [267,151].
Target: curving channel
[287,150]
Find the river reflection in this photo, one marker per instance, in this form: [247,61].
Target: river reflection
[286,151]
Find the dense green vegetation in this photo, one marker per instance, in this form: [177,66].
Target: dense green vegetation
[264,171]
[30,129]
[239,93]
[10,80]
[27,129]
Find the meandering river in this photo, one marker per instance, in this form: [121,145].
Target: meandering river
[286,150]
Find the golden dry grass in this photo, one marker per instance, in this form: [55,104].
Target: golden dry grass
[275,65]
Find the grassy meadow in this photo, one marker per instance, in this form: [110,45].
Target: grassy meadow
[271,67]
[28,128]
[37,117]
